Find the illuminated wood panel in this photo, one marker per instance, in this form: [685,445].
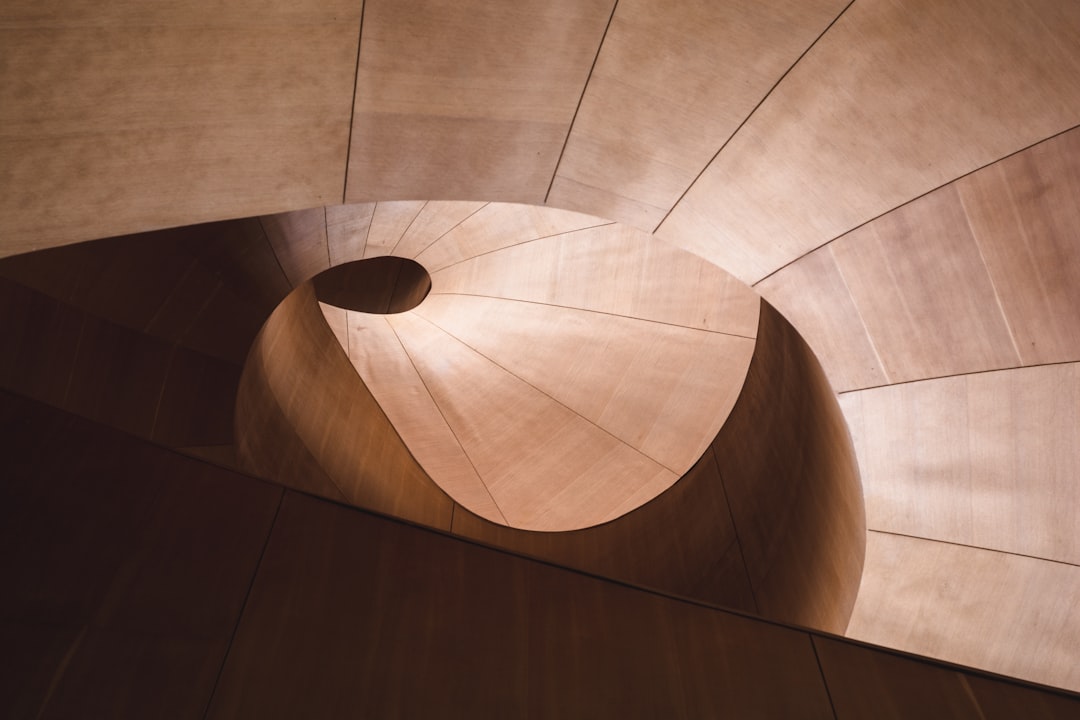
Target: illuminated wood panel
[896,99]
[479,97]
[671,84]
[136,116]
[987,459]
[1004,613]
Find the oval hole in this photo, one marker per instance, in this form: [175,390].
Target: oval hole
[382,285]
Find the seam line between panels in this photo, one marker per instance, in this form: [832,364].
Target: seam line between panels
[973,547]
[581,98]
[914,199]
[821,671]
[352,108]
[243,606]
[957,375]
[751,114]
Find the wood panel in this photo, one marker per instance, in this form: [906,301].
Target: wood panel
[610,269]
[347,228]
[896,99]
[370,617]
[389,374]
[866,682]
[682,542]
[987,460]
[918,271]
[662,390]
[813,295]
[126,567]
[547,468]
[435,220]
[1004,613]
[142,116]
[389,223]
[299,240]
[302,412]
[671,84]
[792,482]
[1025,215]
[497,226]
[982,268]
[480,98]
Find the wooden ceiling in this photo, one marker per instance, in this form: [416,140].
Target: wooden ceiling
[898,178]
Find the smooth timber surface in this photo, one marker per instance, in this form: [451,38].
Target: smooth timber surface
[671,84]
[896,99]
[982,608]
[126,116]
[985,268]
[481,97]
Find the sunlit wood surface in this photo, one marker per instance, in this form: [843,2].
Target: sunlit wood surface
[895,100]
[125,116]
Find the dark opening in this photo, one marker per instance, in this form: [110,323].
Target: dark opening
[382,285]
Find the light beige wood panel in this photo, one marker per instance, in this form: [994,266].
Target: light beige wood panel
[987,459]
[671,84]
[384,366]
[347,228]
[497,226]
[1025,216]
[435,220]
[994,611]
[917,273]
[814,297]
[896,99]
[299,242]
[390,221]
[792,482]
[303,414]
[546,467]
[141,115]
[611,269]
[480,98]
[661,389]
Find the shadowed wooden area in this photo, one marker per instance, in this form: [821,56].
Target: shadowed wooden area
[143,583]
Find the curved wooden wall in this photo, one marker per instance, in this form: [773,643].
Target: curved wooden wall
[797,557]
[892,99]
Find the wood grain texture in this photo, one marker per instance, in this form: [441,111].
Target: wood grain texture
[299,240]
[991,610]
[432,223]
[895,100]
[390,375]
[389,223]
[1025,215]
[349,603]
[792,482]
[497,226]
[983,269]
[136,116]
[302,412]
[481,98]
[671,84]
[347,228]
[547,467]
[814,296]
[987,460]
[611,269]
[661,389]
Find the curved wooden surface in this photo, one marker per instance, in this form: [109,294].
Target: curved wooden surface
[578,412]
[104,136]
